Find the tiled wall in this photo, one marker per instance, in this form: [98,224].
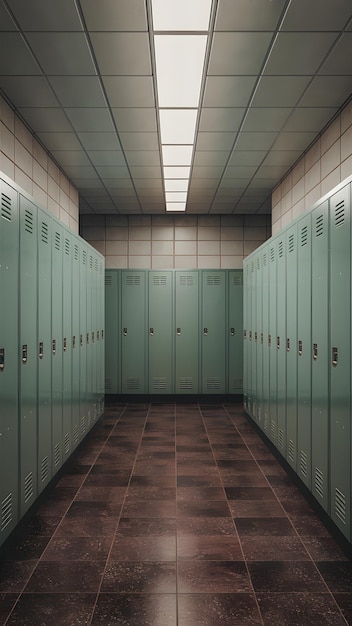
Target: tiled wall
[23,159]
[175,242]
[325,165]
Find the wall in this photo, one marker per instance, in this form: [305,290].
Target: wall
[327,163]
[24,160]
[175,241]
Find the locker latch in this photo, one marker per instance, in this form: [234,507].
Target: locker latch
[125,331]
[255,336]
[65,344]
[250,335]
[178,331]
[93,336]
[335,354]
[2,359]
[81,340]
[41,350]
[98,335]
[300,347]
[232,331]
[261,338]
[269,341]
[278,342]
[24,353]
[102,334]
[245,334]
[205,331]
[74,341]
[151,331]
[53,346]
[288,344]
[315,351]
[87,338]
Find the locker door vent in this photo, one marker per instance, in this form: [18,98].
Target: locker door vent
[6,511]
[28,487]
[185,383]
[265,423]
[319,482]
[76,252]
[90,262]
[108,384]
[133,383]
[340,505]
[44,469]
[273,429]
[304,236]
[57,242]
[89,419]
[6,212]
[339,213]
[272,255]
[258,263]
[291,243]
[108,280]
[67,443]
[186,280]
[75,434]
[280,439]
[83,424]
[133,280]
[44,233]
[237,280]
[252,267]
[213,383]
[96,265]
[57,455]
[84,257]
[28,221]
[159,382]
[214,281]
[319,225]
[265,260]
[67,246]
[237,383]
[291,451]
[281,249]
[303,464]
[159,281]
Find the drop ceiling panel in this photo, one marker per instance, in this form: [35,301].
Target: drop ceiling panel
[139,141]
[41,15]
[112,171]
[238,53]
[298,54]
[109,15]
[28,91]
[247,157]
[6,21]
[282,157]
[62,53]
[106,157]
[86,119]
[302,119]
[232,91]
[129,91]
[153,171]
[44,119]
[78,91]
[206,172]
[135,120]
[220,119]
[211,157]
[240,171]
[70,157]
[247,16]
[279,91]
[271,119]
[99,141]
[294,141]
[143,157]
[15,57]
[122,53]
[317,15]
[59,141]
[77,172]
[339,60]
[327,91]
[215,141]
[260,140]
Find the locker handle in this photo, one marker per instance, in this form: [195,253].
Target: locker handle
[151,331]
[255,336]
[98,336]
[81,340]
[250,335]
[315,351]
[41,350]
[24,353]
[74,341]
[245,334]
[93,336]
[2,359]
[232,331]
[288,346]
[102,334]
[278,342]
[178,331]
[205,332]
[65,344]
[269,341]
[53,346]
[125,332]
[335,355]
[261,338]
[87,338]
[300,347]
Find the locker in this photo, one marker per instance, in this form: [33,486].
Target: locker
[257,330]
[264,340]
[320,354]
[9,448]
[101,341]
[272,340]
[83,341]
[57,344]
[44,349]
[112,324]
[235,332]
[28,354]
[213,326]
[75,332]
[186,332]
[340,359]
[280,341]
[160,332]
[133,331]
[246,322]
[252,339]
[90,389]
[291,345]
[67,345]
[96,354]
[304,358]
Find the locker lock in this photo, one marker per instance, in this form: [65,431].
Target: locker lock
[151,331]
[98,335]
[335,354]
[269,341]
[53,346]
[205,331]
[65,344]
[255,336]
[232,331]
[250,335]
[41,350]
[102,334]
[81,340]
[24,353]
[245,334]
[74,341]
[278,342]
[178,331]
[315,351]
[125,331]
[93,336]
[261,338]
[87,338]
[288,345]
[300,347]
[2,359]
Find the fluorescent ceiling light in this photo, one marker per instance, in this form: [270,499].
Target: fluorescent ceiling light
[176,196]
[177,155]
[177,172]
[177,125]
[179,63]
[181,14]
[175,184]
[175,206]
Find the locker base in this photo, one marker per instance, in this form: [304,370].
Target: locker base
[167,398]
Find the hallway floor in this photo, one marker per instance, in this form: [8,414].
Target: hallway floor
[175,515]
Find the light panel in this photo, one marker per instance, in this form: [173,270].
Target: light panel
[174,184]
[177,125]
[177,172]
[175,206]
[177,155]
[169,15]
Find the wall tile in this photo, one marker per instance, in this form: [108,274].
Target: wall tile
[136,248]
[187,248]
[23,180]
[139,262]
[163,233]
[234,233]
[208,234]
[333,179]
[185,262]
[117,233]
[40,155]
[23,135]
[231,262]
[331,135]
[346,168]
[100,246]
[162,262]
[298,171]
[7,142]
[209,262]
[7,166]
[185,220]
[298,209]
[312,178]
[23,158]
[40,196]
[312,197]
[208,247]
[255,233]
[313,155]
[250,246]
[116,248]
[64,217]
[116,262]
[118,221]
[40,176]
[346,117]
[163,248]
[208,220]
[232,248]
[331,159]
[185,233]
[231,221]
[139,233]
[7,115]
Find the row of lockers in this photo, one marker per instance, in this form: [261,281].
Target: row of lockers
[174,331]
[297,348]
[51,348]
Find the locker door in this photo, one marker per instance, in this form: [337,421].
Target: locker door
[112,334]
[101,325]
[246,322]
[90,338]
[258,313]
[304,358]
[186,329]
[96,355]
[235,331]
[272,340]
[291,345]
[83,341]
[213,331]
[340,358]
[281,344]
[320,354]
[28,354]
[9,449]
[252,338]
[57,344]
[75,340]
[133,331]
[67,344]
[160,329]
[264,340]
[44,350]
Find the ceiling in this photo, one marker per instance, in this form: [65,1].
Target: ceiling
[81,73]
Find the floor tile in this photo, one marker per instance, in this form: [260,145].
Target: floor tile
[135,610]
[209,609]
[213,577]
[139,577]
[209,548]
[280,549]
[274,526]
[78,548]
[285,576]
[144,548]
[53,608]
[299,609]
[146,527]
[66,577]
[337,575]
[205,526]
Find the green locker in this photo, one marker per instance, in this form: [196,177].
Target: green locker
[44,349]
[133,331]
[67,345]
[57,344]
[272,340]
[9,349]
[96,355]
[90,389]
[281,343]
[112,325]
[160,332]
[291,344]
[257,314]
[75,331]
[250,337]
[304,343]
[83,341]
[320,354]
[246,289]
[186,332]
[101,342]
[235,331]
[28,354]
[253,336]
[264,424]
[340,359]
[213,331]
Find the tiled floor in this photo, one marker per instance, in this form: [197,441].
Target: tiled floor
[175,514]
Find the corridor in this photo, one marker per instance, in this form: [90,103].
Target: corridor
[174,515]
